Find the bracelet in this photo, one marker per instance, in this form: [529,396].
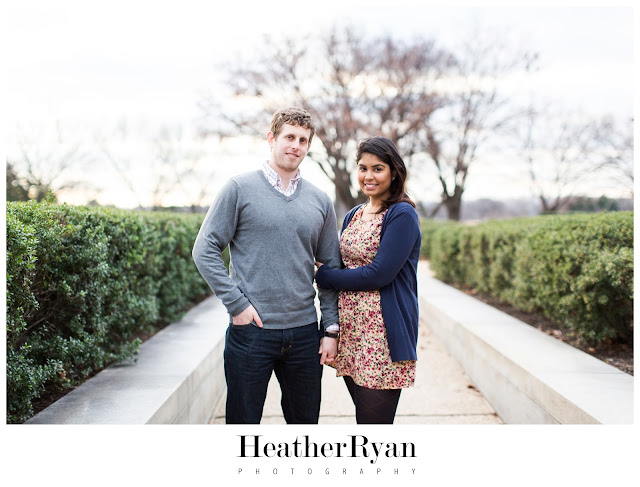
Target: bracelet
[331,334]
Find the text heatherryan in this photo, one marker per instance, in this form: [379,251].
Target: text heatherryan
[355,446]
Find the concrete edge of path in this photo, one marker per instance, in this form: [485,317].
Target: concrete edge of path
[525,375]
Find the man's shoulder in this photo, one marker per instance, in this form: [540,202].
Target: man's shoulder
[314,191]
[249,177]
[238,185]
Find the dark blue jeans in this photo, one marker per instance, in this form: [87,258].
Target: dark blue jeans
[251,354]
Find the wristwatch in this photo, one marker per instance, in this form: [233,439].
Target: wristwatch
[331,334]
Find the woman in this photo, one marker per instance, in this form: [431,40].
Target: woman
[380,246]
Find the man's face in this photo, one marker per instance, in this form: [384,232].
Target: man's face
[290,147]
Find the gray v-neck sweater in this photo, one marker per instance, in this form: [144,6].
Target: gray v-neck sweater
[274,241]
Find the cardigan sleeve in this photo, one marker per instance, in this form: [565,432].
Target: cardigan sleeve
[396,244]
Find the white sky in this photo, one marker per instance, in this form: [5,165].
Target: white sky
[93,63]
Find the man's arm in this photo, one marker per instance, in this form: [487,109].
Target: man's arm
[217,230]
[328,250]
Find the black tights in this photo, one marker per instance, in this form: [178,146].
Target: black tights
[373,406]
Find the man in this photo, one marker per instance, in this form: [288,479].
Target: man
[276,225]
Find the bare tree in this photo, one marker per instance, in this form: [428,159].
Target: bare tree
[475,112]
[353,86]
[561,151]
[617,151]
[46,160]
[185,166]
[117,149]
[157,167]
[16,188]
[143,164]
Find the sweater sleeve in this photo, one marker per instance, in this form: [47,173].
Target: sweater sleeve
[396,245]
[217,230]
[328,250]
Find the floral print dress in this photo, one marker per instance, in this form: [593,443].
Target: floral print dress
[363,350]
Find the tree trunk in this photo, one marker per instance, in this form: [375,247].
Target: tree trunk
[453,208]
[345,201]
[453,203]
[344,197]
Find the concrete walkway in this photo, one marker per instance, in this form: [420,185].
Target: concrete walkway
[464,346]
[443,394]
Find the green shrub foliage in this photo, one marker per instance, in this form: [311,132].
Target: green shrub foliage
[575,269]
[82,285]
[428,227]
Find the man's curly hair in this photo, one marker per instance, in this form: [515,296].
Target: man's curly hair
[292,116]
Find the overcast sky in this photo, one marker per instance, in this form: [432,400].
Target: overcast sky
[94,63]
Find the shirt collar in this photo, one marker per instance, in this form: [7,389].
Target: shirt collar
[273,175]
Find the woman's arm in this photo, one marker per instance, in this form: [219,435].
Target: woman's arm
[396,245]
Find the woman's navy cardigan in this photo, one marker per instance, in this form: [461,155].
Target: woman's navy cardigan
[394,272]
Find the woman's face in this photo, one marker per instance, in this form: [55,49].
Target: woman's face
[374,176]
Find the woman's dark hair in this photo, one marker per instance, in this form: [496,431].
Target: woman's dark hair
[386,151]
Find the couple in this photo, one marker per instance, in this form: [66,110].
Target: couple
[279,229]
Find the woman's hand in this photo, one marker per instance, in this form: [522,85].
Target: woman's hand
[318,265]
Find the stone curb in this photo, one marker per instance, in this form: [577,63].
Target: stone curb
[526,375]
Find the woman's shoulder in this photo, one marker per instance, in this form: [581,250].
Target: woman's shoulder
[401,215]
[402,207]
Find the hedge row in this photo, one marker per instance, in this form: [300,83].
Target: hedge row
[428,228]
[575,269]
[82,285]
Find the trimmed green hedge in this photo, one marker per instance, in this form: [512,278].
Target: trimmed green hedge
[428,227]
[575,269]
[83,284]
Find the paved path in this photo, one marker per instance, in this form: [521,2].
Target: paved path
[443,394]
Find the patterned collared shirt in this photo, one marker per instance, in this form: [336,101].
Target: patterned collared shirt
[276,181]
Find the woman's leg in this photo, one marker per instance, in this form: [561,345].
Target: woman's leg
[351,387]
[373,406]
